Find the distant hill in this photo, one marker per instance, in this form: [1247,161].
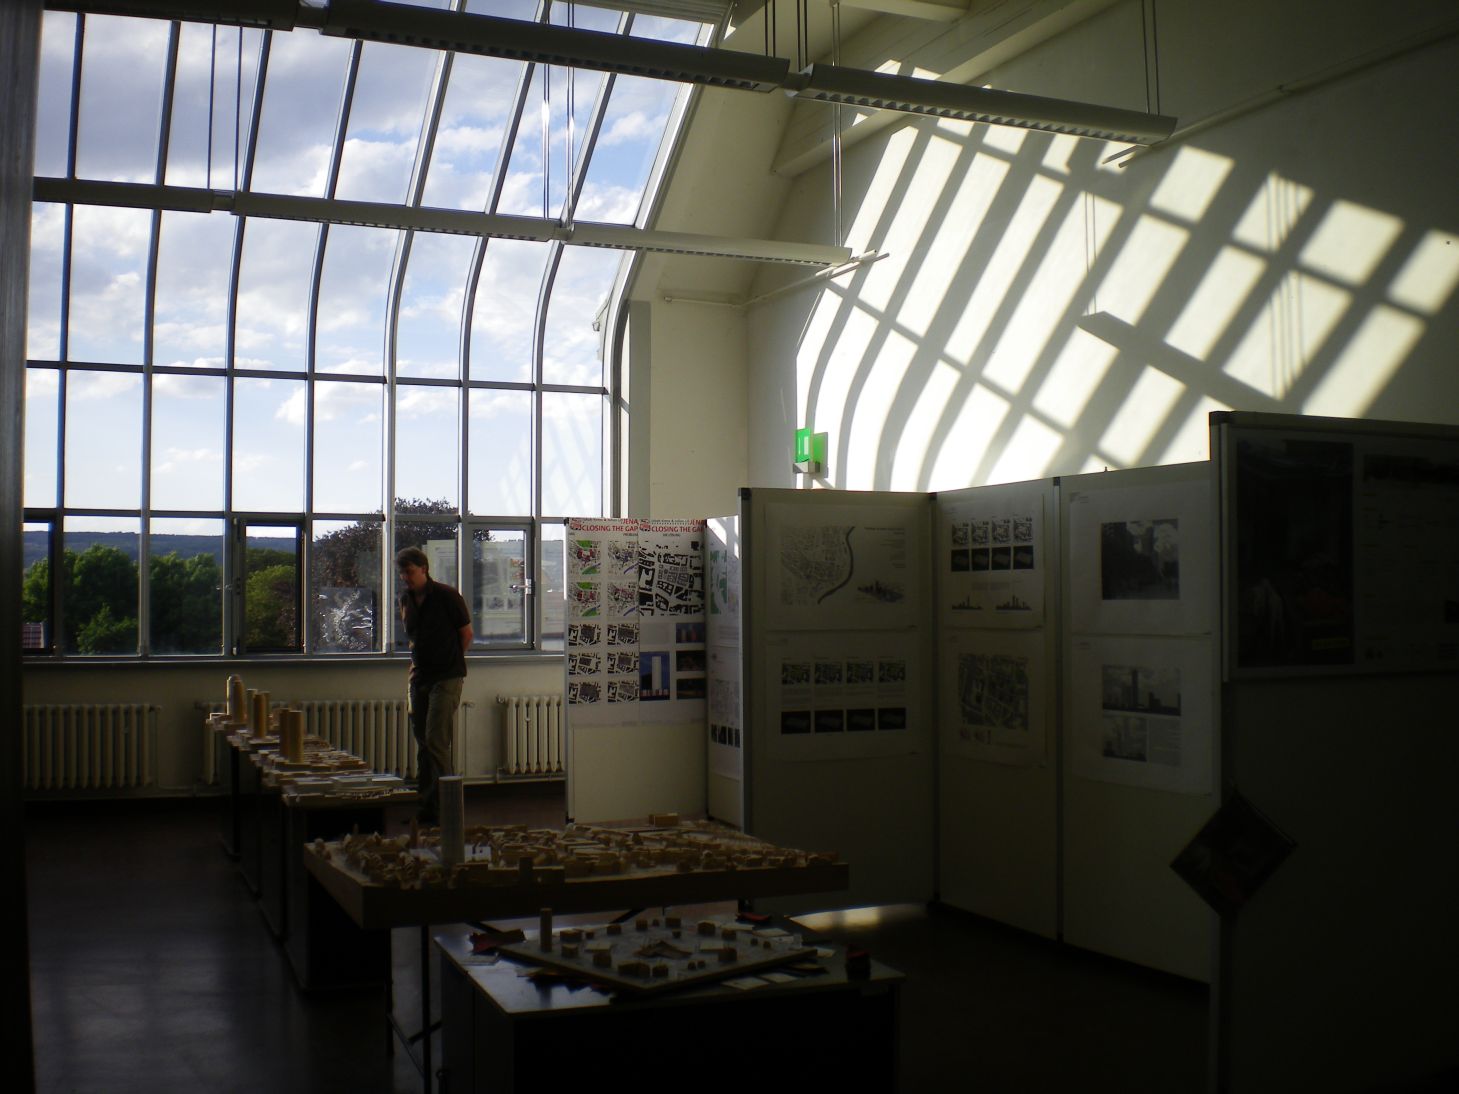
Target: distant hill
[128,543]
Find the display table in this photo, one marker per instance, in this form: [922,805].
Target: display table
[372,904]
[326,948]
[503,1032]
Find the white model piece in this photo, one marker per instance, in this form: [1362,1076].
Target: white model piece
[237,700]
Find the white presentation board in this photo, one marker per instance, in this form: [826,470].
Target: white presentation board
[838,704]
[1139,550]
[995,560]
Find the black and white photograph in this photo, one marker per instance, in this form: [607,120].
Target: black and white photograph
[830,721]
[961,561]
[795,673]
[962,533]
[1140,559]
[1138,689]
[1126,737]
[829,674]
[891,672]
[795,721]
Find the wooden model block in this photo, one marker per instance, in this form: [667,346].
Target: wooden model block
[615,928]
[664,820]
[708,927]
[603,959]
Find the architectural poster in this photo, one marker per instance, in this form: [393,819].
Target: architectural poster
[1344,550]
[834,566]
[1142,559]
[636,648]
[994,696]
[1142,712]
[991,558]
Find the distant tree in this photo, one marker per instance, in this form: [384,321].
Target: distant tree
[105,633]
[35,593]
[269,604]
[187,603]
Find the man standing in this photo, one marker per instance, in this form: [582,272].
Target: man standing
[439,626]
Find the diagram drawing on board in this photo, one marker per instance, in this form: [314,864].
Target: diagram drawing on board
[817,562]
[993,694]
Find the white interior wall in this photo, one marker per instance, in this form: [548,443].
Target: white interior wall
[698,440]
[177,689]
[1041,312]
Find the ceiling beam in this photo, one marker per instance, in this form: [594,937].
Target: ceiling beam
[370,214]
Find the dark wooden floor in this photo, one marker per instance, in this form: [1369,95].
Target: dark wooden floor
[152,971]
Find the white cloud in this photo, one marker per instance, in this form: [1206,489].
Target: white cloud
[292,409]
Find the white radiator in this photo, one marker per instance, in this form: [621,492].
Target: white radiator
[376,730]
[532,726]
[89,746]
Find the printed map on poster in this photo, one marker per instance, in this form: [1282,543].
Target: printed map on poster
[991,559]
[837,566]
[993,696]
[671,567]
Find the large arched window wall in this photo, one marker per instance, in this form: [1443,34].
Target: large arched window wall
[232,421]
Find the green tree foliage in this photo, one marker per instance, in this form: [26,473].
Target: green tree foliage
[99,577]
[35,593]
[272,615]
[105,633]
[187,604]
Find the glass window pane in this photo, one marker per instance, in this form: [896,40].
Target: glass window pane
[661,29]
[504,316]
[103,440]
[53,107]
[633,128]
[271,588]
[427,335]
[273,294]
[185,586]
[427,445]
[42,392]
[99,585]
[301,98]
[499,475]
[198,60]
[190,316]
[123,67]
[268,445]
[386,114]
[474,117]
[522,190]
[188,426]
[345,594]
[352,292]
[349,438]
[108,280]
[437,540]
[498,574]
[504,9]
[35,588]
[570,345]
[550,587]
[572,454]
[47,244]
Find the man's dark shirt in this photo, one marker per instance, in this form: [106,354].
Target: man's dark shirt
[434,626]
